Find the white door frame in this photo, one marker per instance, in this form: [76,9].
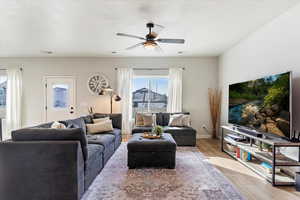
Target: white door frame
[45,93]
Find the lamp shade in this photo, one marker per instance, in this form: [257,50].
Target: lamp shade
[118,98]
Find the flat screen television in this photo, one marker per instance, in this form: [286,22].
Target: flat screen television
[263,104]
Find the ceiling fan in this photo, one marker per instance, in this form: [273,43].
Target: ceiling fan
[151,40]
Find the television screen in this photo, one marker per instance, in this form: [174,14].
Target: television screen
[263,104]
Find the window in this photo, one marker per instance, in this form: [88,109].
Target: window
[3,89]
[60,96]
[150,94]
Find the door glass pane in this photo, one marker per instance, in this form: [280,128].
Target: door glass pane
[60,96]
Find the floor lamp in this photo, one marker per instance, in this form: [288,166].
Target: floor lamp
[113,96]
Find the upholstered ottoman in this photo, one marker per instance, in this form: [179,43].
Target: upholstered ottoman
[144,152]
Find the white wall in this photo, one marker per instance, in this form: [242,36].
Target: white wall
[200,74]
[274,48]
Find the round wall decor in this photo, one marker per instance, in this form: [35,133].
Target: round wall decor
[97,82]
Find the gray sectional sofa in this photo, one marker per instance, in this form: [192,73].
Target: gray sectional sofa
[184,136]
[44,163]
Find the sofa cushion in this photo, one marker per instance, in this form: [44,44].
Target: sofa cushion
[88,119]
[48,134]
[94,163]
[141,129]
[76,123]
[103,139]
[118,136]
[159,119]
[106,140]
[180,130]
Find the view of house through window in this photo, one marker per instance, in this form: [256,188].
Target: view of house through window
[3,89]
[150,94]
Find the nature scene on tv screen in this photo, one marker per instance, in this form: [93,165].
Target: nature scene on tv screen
[262,104]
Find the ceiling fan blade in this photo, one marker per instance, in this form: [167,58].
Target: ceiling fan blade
[132,36]
[134,46]
[174,41]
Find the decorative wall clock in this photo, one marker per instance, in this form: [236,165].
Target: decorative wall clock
[97,83]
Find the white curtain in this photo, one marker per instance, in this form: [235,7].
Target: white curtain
[13,101]
[125,79]
[175,90]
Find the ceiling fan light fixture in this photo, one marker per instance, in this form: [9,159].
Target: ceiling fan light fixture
[150,45]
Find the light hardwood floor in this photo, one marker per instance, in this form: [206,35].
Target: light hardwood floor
[251,186]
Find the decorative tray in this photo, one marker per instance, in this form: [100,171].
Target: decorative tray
[151,136]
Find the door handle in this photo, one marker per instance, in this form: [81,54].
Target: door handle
[71,112]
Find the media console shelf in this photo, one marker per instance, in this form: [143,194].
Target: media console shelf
[253,145]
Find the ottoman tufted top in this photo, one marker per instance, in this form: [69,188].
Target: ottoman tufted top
[139,144]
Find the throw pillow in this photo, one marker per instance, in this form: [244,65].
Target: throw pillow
[176,120]
[139,119]
[97,120]
[58,125]
[186,120]
[100,127]
[149,119]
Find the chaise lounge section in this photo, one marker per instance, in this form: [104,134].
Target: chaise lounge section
[44,163]
[184,136]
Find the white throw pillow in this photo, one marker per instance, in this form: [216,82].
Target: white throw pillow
[180,120]
[186,120]
[100,120]
[175,120]
[58,125]
[100,127]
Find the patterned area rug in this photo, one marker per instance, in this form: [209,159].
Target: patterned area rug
[193,178]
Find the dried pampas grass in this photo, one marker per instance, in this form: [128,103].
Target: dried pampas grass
[214,96]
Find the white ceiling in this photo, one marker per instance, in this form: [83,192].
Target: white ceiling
[88,27]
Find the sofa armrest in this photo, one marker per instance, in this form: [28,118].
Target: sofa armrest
[41,170]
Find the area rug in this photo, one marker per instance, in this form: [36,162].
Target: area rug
[193,178]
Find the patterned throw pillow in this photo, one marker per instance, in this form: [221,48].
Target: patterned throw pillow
[58,125]
[149,119]
[100,127]
[139,119]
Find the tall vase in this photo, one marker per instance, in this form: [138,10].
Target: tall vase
[214,133]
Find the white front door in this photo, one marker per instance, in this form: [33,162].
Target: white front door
[60,98]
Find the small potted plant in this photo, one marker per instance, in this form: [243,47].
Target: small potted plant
[158,130]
